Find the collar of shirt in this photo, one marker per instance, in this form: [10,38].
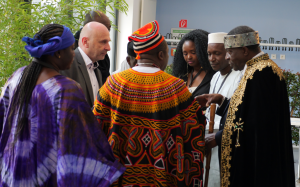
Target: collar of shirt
[244,70]
[88,62]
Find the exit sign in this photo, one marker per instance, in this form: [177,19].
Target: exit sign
[183,23]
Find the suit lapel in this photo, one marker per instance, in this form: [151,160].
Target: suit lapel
[85,74]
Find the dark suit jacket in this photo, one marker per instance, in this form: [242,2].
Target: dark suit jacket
[79,73]
[104,66]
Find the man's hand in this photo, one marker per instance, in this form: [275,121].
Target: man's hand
[210,142]
[207,99]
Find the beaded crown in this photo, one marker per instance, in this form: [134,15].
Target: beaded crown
[241,40]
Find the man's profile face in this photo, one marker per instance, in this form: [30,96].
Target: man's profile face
[98,45]
[216,56]
[236,58]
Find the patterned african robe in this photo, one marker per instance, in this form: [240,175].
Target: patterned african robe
[151,123]
[61,144]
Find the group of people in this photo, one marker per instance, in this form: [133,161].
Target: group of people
[66,122]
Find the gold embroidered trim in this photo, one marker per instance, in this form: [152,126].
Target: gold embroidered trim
[253,65]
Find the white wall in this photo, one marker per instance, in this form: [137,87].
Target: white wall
[127,24]
[277,19]
[140,12]
[113,39]
[148,11]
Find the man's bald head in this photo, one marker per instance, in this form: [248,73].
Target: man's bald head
[94,40]
[97,16]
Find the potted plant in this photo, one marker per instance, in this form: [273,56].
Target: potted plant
[293,89]
[19,18]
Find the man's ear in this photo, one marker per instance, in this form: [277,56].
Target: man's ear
[84,41]
[246,51]
[160,55]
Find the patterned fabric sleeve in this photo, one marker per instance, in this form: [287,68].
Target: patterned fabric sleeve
[102,112]
[5,97]
[2,111]
[84,155]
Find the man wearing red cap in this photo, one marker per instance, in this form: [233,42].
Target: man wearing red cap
[150,119]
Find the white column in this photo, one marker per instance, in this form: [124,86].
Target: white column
[112,43]
[148,11]
[298,175]
[127,24]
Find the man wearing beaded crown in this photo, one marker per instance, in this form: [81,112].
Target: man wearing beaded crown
[150,119]
[224,82]
[256,145]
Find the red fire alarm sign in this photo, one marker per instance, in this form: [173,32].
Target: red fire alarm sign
[183,23]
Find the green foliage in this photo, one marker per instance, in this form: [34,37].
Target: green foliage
[19,19]
[295,135]
[169,69]
[293,88]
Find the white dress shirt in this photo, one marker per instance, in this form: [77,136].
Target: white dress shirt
[244,70]
[89,66]
[146,69]
[227,90]
[124,66]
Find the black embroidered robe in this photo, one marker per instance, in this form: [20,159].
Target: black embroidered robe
[256,145]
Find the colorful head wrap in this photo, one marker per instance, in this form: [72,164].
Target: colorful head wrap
[146,38]
[37,48]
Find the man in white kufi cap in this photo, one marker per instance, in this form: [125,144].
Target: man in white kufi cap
[224,82]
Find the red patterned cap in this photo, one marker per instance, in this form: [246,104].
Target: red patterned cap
[146,38]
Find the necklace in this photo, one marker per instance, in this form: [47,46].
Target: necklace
[145,64]
[193,78]
[222,81]
[149,64]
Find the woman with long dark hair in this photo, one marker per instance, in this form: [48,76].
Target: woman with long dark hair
[191,62]
[49,134]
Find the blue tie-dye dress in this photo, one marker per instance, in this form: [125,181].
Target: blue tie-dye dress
[62,144]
